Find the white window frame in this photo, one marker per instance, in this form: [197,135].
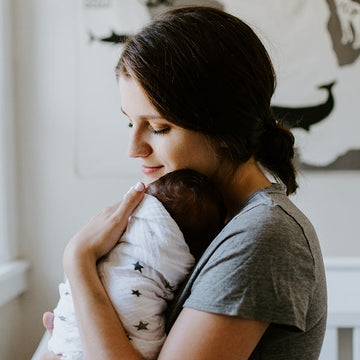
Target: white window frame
[12,270]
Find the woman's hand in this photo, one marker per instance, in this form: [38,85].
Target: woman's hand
[103,231]
[48,321]
[49,355]
[101,331]
[95,240]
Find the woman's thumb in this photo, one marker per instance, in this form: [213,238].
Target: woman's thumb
[48,321]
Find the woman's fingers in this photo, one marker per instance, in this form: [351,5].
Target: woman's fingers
[48,355]
[129,203]
[118,216]
[103,231]
[48,321]
[96,239]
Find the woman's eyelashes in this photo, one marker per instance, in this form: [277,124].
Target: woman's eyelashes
[155,131]
[160,131]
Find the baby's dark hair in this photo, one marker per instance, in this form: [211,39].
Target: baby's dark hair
[195,203]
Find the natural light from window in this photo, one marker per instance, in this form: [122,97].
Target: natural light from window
[5,113]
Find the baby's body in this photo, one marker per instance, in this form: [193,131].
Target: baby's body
[144,269]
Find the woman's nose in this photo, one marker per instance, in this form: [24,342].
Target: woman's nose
[138,146]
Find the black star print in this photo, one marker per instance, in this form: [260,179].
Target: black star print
[136,292]
[128,336]
[142,326]
[138,267]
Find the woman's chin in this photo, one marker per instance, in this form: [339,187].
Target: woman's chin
[150,179]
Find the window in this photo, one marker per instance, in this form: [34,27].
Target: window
[12,272]
[6,136]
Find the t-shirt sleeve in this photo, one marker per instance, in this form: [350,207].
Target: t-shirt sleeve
[262,270]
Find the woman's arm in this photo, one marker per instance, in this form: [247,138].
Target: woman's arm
[101,331]
[195,335]
[48,321]
[199,335]
[216,334]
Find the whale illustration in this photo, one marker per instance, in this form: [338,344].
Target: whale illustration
[304,117]
[350,160]
[114,38]
[151,3]
[155,8]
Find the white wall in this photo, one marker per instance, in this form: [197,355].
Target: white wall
[332,201]
[11,331]
[54,202]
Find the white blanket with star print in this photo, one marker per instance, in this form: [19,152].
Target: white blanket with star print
[140,275]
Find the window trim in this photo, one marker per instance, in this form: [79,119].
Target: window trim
[12,272]
[13,280]
[7,158]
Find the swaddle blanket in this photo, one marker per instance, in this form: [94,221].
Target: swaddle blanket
[140,275]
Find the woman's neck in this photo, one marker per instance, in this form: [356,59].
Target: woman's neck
[237,187]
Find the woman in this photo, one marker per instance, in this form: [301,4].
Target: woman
[196,86]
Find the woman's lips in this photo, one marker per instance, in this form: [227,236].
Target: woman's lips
[148,170]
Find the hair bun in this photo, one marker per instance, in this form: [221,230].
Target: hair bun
[276,152]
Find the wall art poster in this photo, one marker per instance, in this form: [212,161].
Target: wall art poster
[315,47]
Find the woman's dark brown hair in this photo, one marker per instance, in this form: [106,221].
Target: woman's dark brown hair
[206,70]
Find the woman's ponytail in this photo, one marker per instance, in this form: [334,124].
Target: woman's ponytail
[275,151]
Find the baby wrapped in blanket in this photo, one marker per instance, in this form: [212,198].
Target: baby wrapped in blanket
[180,215]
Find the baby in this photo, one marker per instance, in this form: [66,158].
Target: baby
[181,213]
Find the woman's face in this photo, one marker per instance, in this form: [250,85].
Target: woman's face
[161,146]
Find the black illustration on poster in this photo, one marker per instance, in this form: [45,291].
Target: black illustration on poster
[344,29]
[305,117]
[155,8]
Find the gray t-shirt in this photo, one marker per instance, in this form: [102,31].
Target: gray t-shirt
[266,264]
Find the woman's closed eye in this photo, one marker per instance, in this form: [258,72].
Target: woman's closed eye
[155,131]
[160,131]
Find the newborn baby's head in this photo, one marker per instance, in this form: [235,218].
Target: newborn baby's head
[195,203]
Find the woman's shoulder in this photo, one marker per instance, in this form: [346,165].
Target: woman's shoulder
[270,210]
[269,221]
